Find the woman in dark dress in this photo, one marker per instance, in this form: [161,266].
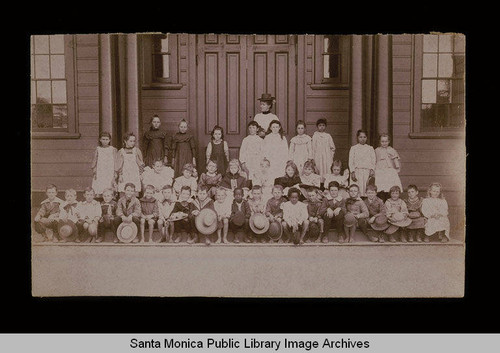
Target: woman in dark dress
[183,148]
[156,146]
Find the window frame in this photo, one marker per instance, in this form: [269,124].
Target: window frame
[416,131]
[341,82]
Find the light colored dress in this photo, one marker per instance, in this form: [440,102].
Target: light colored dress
[323,150]
[251,153]
[158,180]
[266,182]
[300,150]
[436,207]
[294,214]
[265,119]
[104,166]
[275,149]
[361,160]
[181,181]
[386,175]
[131,165]
[223,208]
[342,179]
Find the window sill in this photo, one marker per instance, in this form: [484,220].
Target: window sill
[437,135]
[54,135]
[163,86]
[322,86]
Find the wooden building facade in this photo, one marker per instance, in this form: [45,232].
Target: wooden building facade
[410,86]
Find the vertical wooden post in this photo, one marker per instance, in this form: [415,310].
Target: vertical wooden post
[107,93]
[132,90]
[356,122]
[383,85]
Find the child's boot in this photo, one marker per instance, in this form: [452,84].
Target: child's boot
[410,235]
[381,238]
[444,238]
[391,238]
[402,235]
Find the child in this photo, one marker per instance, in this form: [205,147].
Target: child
[103,165]
[257,205]
[251,150]
[314,212]
[387,168]
[295,223]
[89,214]
[300,146]
[69,209]
[183,148]
[361,162]
[180,215]
[355,210]
[223,209]
[186,179]
[435,209]
[129,207]
[130,164]
[414,205]
[333,210]
[290,179]
[273,207]
[275,149]
[395,207]
[149,211]
[261,132]
[47,217]
[309,178]
[156,145]
[201,202]
[233,179]
[211,179]
[240,215]
[166,207]
[265,116]
[109,219]
[323,148]
[158,176]
[218,150]
[376,208]
[342,179]
[264,179]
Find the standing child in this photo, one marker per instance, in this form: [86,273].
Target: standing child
[130,164]
[387,168]
[264,179]
[257,205]
[129,207]
[275,149]
[218,150]
[397,214]
[183,148]
[180,215]
[314,213]
[323,148]
[251,150]
[341,178]
[435,209]
[156,145]
[166,207]
[356,214]
[414,205]
[211,178]
[361,162]
[149,211]
[89,214]
[265,116]
[47,217]
[273,207]
[69,210]
[290,179]
[300,146]
[308,178]
[376,208]
[109,219]
[186,179]
[223,209]
[295,223]
[158,176]
[333,211]
[201,202]
[233,179]
[103,165]
[240,215]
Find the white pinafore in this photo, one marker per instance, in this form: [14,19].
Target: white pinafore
[130,171]
[105,170]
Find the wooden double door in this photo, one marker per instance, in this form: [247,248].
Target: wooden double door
[232,73]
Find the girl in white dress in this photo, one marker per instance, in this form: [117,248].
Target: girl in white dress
[264,179]
[323,148]
[361,162]
[435,209]
[265,116]
[251,150]
[387,168]
[341,178]
[158,176]
[300,149]
[103,165]
[130,164]
[275,149]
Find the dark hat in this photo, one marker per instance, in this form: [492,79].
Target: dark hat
[349,220]
[275,230]
[259,223]
[313,231]
[380,223]
[239,219]
[417,221]
[67,229]
[206,221]
[126,232]
[266,97]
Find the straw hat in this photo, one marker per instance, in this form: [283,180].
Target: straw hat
[206,221]
[399,220]
[349,220]
[275,230]
[266,97]
[126,232]
[380,223]
[239,219]
[259,223]
[67,229]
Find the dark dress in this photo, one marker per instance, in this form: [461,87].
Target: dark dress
[183,150]
[219,157]
[233,181]
[156,146]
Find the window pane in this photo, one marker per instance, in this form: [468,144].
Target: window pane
[443,91]
[161,66]
[459,43]
[41,116]
[331,65]
[59,92]
[57,66]
[60,119]
[457,116]
[32,60]
[445,65]
[430,43]
[435,117]
[57,44]
[429,68]
[445,43]
[160,43]
[42,69]
[428,91]
[33,92]
[459,66]
[43,92]
[41,44]
[164,44]
[458,91]
[326,42]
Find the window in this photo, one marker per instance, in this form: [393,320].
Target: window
[52,92]
[331,57]
[439,83]
[159,57]
[332,54]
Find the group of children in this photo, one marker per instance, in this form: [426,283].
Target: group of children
[274,191]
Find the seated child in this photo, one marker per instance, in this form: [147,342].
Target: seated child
[357,210]
[186,179]
[414,205]
[264,179]
[47,217]
[257,205]
[314,213]
[129,208]
[165,208]
[158,176]
[211,179]
[342,179]
[395,205]
[89,214]
[273,207]
[180,215]
[223,209]
[295,223]
[309,177]
[239,209]
[376,207]
[290,179]
[233,179]
[435,209]
[109,219]
[201,202]
[149,211]
[69,209]
[333,210]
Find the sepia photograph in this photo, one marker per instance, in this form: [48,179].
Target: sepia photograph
[248,165]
